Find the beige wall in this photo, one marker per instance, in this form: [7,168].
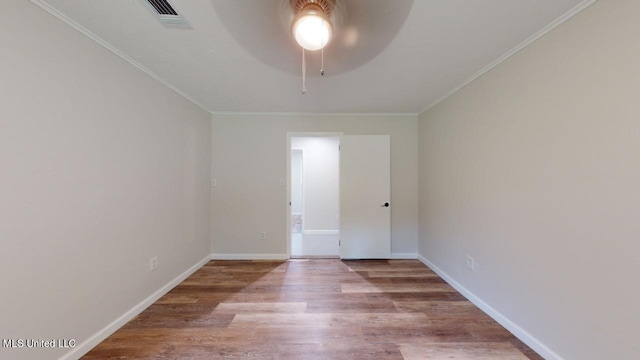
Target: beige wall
[101,168]
[249,159]
[534,170]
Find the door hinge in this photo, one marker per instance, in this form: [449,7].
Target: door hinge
[339,243]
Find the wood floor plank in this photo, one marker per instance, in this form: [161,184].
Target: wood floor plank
[176,298]
[405,273]
[259,308]
[181,320]
[418,334]
[312,309]
[328,320]
[442,309]
[475,351]
[371,268]
[342,350]
[308,334]
[419,296]
[351,305]
[371,288]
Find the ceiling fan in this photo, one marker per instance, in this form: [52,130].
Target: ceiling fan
[349,33]
[312,26]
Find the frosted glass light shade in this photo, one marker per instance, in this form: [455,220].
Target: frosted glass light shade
[311,28]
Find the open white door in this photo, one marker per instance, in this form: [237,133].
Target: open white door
[365,197]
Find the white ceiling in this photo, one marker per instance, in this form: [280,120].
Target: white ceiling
[440,47]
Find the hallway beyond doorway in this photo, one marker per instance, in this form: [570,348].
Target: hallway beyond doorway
[313,245]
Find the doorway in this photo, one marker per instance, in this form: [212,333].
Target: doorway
[314,196]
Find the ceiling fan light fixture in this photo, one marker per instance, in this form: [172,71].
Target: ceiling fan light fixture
[312,27]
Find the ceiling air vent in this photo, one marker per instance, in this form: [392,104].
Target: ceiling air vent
[166,14]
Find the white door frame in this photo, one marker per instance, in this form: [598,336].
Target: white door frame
[288,179]
[303,189]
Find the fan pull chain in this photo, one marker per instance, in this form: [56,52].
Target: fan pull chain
[304,74]
[322,53]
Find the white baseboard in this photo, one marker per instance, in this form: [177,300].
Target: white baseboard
[320,232]
[404,255]
[249,257]
[285,257]
[98,337]
[516,330]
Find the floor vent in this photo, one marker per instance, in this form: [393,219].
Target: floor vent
[166,14]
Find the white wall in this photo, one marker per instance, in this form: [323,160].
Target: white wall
[321,181]
[101,168]
[296,182]
[533,169]
[250,159]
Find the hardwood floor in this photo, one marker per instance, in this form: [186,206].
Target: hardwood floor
[313,309]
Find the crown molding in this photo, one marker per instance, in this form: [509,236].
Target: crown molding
[233,113]
[64,18]
[51,10]
[568,15]
[557,22]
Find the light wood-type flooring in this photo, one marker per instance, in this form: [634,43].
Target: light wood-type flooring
[312,309]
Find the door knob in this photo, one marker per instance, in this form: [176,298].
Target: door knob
[385,204]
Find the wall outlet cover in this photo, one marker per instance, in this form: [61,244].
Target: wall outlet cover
[470,262]
[153,263]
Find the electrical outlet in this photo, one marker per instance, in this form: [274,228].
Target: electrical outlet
[214,182]
[153,263]
[263,235]
[470,262]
